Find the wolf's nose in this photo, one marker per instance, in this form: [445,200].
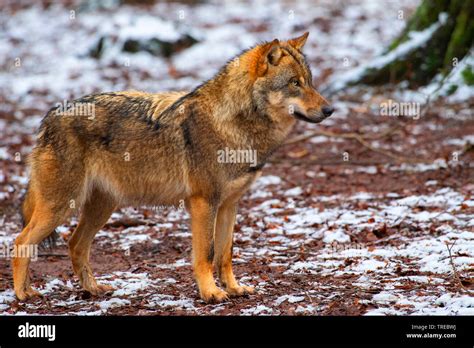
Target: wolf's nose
[327,110]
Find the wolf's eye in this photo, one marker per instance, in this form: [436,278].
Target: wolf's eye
[295,83]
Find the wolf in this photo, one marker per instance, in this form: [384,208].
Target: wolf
[118,149]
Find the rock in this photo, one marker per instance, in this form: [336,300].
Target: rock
[159,47]
[154,46]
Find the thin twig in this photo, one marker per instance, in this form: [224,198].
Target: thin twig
[309,297]
[52,254]
[427,105]
[455,271]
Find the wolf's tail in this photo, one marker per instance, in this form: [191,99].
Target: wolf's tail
[27,209]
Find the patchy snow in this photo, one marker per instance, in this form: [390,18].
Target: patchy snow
[168,301]
[296,191]
[289,298]
[465,140]
[385,297]
[422,167]
[6,297]
[424,305]
[4,153]
[127,283]
[267,180]
[178,263]
[369,265]
[51,286]
[112,303]
[336,236]
[258,310]
[146,27]
[323,139]
[336,226]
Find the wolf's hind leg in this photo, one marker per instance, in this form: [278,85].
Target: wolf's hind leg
[223,250]
[43,221]
[96,211]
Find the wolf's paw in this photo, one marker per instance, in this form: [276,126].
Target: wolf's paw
[24,294]
[240,290]
[215,295]
[99,289]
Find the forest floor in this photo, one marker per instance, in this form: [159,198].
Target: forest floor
[337,225]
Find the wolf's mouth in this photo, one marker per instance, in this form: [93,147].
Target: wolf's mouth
[303,117]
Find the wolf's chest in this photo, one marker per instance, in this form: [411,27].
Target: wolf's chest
[235,188]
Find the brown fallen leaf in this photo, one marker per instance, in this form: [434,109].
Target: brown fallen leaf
[298,153]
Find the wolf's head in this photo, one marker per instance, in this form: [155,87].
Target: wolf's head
[282,81]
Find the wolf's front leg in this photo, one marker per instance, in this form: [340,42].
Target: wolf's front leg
[223,250]
[203,217]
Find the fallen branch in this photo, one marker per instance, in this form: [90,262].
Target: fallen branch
[127,222]
[360,138]
[427,104]
[323,162]
[342,135]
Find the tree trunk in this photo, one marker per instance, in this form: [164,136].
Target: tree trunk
[436,37]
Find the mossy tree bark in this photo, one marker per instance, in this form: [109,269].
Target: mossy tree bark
[449,43]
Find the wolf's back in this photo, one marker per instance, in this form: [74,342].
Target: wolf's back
[102,119]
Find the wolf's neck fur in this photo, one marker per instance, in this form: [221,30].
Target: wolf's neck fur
[229,93]
[233,112]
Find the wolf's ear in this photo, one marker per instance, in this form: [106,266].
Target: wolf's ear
[271,53]
[298,42]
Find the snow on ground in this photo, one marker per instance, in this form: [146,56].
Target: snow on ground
[290,224]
